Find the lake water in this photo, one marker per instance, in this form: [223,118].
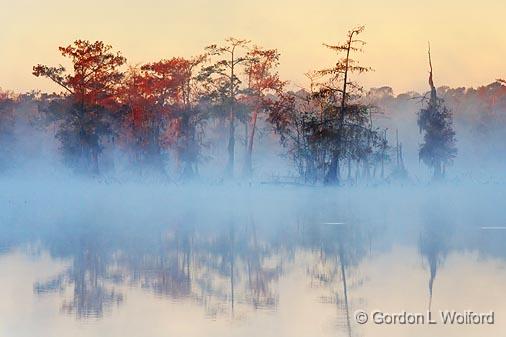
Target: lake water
[106,260]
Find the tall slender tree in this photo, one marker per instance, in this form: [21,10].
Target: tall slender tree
[435,121]
[223,82]
[189,116]
[264,87]
[340,74]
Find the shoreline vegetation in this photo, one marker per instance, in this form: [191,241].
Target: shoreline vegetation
[226,116]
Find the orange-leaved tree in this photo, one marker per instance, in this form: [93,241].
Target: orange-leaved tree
[264,88]
[159,98]
[87,106]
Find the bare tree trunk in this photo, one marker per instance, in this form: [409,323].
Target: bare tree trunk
[349,168]
[231,147]
[246,134]
[357,171]
[438,171]
[331,178]
[249,153]
[383,157]
[95,169]
[310,174]
[229,172]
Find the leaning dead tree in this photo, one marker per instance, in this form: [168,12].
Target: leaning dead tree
[436,123]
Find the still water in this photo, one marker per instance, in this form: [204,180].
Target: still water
[268,262]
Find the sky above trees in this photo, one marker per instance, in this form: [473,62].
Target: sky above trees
[468,40]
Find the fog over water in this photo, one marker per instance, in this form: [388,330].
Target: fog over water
[196,191]
[86,258]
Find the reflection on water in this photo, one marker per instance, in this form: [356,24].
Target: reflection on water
[434,238]
[221,270]
[89,278]
[339,248]
[310,267]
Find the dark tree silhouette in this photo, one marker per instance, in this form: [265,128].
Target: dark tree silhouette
[340,74]
[436,123]
[330,122]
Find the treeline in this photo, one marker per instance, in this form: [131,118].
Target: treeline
[479,121]
[168,105]
[172,117]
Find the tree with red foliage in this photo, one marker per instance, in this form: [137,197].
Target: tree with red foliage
[135,95]
[188,116]
[88,102]
[263,87]
[160,101]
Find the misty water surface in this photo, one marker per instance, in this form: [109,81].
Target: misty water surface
[88,259]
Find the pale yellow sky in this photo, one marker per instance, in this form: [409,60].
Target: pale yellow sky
[468,37]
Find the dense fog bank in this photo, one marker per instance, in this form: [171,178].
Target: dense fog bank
[36,201]
[30,146]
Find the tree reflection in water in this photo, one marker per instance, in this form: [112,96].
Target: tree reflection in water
[435,238]
[339,247]
[89,277]
[229,260]
[230,264]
